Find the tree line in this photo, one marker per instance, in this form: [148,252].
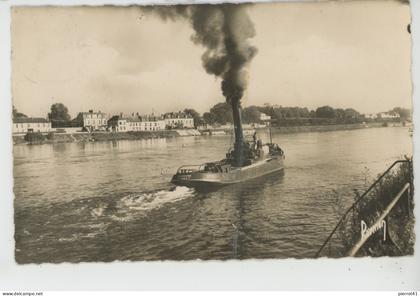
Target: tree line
[221,114]
[58,115]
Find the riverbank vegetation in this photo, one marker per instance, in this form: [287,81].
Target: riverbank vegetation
[35,137]
[399,226]
[58,137]
[221,113]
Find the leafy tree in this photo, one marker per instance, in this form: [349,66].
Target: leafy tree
[278,113]
[312,114]
[267,109]
[304,112]
[293,116]
[340,114]
[59,115]
[17,114]
[209,118]
[325,112]
[222,113]
[196,116]
[281,113]
[251,115]
[33,137]
[351,113]
[405,114]
[348,115]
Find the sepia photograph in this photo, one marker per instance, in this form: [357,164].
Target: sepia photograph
[212,131]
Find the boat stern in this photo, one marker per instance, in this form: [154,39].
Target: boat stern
[183,175]
[193,176]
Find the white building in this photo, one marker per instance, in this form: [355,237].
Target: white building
[371,116]
[264,117]
[178,120]
[91,121]
[388,115]
[28,124]
[119,123]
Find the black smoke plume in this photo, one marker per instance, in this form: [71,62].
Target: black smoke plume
[224,31]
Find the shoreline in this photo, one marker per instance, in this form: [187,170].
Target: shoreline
[54,138]
[329,128]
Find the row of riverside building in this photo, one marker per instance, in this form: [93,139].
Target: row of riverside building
[99,121]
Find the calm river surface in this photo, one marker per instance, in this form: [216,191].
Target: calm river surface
[107,201]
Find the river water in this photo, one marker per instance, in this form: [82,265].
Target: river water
[106,201]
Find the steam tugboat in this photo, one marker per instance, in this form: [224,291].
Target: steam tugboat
[246,161]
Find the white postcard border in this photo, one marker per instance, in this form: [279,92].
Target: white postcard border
[290,274]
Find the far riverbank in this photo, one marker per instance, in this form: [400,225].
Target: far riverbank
[52,138]
[329,128]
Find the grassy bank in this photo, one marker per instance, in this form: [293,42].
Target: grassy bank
[399,229]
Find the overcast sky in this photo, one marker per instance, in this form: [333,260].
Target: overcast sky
[352,54]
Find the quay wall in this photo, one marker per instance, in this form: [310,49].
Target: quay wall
[94,137]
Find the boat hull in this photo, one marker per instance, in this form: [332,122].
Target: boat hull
[203,179]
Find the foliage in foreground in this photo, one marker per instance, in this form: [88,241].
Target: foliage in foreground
[399,230]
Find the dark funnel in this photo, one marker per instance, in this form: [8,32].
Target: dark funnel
[238,156]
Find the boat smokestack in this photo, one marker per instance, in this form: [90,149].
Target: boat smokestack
[238,156]
[224,30]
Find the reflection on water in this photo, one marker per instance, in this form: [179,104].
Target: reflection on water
[112,200]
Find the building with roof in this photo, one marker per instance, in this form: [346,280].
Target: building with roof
[388,115]
[178,120]
[91,120]
[24,125]
[264,117]
[120,123]
[117,123]
[371,116]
